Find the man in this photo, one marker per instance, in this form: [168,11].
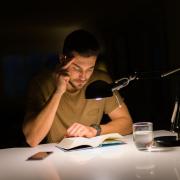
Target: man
[57,106]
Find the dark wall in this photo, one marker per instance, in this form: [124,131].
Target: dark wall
[136,36]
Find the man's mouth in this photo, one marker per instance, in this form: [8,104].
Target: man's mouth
[77,83]
[81,82]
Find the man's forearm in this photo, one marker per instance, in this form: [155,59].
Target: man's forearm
[121,121]
[36,128]
[122,126]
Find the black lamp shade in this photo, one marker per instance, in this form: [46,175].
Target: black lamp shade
[98,89]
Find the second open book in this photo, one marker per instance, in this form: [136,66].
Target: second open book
[98,141]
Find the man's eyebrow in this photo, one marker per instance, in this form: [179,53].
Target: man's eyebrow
[80,66]
[76,65]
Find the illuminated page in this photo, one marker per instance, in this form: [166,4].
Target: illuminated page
[70,143]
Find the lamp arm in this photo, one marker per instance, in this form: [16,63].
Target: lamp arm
[120,83]
[170,72]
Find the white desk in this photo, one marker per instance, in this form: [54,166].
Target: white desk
[122,162]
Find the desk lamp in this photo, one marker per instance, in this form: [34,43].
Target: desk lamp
[100,89]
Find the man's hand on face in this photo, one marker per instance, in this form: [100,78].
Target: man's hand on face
[62,76]
[79,130]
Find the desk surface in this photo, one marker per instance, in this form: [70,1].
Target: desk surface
[121,162]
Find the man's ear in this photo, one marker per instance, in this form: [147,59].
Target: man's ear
[62,57]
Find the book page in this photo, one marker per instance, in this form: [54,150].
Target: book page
[69,143]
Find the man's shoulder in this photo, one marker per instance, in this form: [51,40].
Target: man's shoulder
[43,77]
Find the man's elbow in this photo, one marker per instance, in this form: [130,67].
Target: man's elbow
[32,142]
[129,128]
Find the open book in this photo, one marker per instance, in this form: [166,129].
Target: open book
[75,143]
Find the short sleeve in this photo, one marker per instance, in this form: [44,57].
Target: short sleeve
[111,103]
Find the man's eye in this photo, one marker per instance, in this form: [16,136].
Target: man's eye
[90,70]
[77,69]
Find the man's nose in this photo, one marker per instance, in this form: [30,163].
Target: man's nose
[83,75]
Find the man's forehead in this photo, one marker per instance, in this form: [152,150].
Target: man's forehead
[80,65]
[84,60]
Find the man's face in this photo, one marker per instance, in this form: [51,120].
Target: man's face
[80,71]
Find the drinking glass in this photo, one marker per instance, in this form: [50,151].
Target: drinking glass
[143,135]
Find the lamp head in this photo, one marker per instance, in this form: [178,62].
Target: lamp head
[98,89]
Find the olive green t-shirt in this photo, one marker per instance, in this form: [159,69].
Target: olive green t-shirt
[73,107]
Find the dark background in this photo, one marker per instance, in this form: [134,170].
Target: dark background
[141,35]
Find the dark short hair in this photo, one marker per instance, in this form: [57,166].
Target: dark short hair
[81,42]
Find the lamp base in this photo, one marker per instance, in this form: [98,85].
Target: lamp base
[167,141]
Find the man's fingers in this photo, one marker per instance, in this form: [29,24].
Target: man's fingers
[61,68]
[73,129]
[65,61]
[60,71]
[63,72]
[68,64]
[79,130]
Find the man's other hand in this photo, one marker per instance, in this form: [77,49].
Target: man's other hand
[79,130]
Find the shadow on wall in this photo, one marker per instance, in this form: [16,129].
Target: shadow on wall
[16,73]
